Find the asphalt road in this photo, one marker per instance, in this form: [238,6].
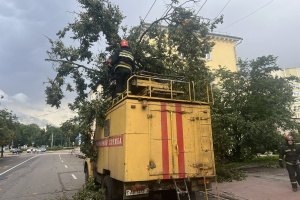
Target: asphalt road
[60,175]
[40,176]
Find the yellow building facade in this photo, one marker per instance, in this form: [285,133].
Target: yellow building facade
[223,52]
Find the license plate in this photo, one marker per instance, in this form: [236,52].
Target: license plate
[137,192]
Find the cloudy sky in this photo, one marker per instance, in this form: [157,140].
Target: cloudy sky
[266,26]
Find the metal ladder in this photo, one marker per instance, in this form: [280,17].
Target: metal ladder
[210,161]
[179,191]
[205,187]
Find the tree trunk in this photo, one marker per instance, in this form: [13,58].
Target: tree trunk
[1,151]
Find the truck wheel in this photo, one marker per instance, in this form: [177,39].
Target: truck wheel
[86,174]
[107,185]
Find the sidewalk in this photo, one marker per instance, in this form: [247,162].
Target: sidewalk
[260,184]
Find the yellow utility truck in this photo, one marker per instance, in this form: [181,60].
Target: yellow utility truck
[156,139]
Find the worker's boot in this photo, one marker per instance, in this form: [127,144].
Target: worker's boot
[295,188]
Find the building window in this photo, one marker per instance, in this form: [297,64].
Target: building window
[297,115]
[296,108]
[296,93]
[295,86]
[208,56]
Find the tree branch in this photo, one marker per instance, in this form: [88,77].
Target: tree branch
[72,63]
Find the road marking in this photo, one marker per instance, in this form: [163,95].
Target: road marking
[74,176]
[17,165]
[66,166]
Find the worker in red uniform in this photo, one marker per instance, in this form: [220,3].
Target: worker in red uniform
[290,152]
[123,61]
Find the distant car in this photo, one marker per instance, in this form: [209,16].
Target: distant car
[40,150]
[16,151]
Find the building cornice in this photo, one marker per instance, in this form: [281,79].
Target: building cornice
[213,36]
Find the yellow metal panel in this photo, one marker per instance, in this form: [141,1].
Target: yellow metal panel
[117,161]
[136,117]
[137,161]
[118,120]
[155,157]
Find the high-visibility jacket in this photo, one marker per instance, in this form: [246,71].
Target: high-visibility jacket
[123,58]
[291,153]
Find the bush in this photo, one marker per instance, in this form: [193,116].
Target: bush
[228,173]
[68,148]
[55,148]
[89,191]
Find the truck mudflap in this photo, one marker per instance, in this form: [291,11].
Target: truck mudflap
[88,169]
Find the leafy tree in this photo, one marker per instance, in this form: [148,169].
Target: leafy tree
[174,44]
[70,130]
[28,134]
[58,136]
[251,107]
[7,128]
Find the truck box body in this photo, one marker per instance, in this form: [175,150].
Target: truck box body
[150,140]
[162,141]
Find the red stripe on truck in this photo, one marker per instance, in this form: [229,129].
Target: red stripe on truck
[181,166]
[165,143]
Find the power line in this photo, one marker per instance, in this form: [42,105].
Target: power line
[150,9]
[223,9]
[201,7]
[45,114]
[248,15]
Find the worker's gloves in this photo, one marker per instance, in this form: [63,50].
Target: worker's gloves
[280,164]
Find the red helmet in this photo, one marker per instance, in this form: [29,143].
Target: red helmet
[124,43]
[289,138]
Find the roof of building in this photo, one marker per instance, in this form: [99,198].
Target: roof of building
[212,35]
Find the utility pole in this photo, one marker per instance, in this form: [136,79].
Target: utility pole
[52,141]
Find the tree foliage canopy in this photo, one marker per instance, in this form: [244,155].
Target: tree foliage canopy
[175,48]
[8,126]
[251,107]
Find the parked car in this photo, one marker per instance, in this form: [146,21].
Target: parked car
[16,151]
[43,149]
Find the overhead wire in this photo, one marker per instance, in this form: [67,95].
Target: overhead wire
[223,9]
[149,10]
[46,114]
[248,15]
[201,7]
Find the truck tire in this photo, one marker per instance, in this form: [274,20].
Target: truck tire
[107,185]
[86,172]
